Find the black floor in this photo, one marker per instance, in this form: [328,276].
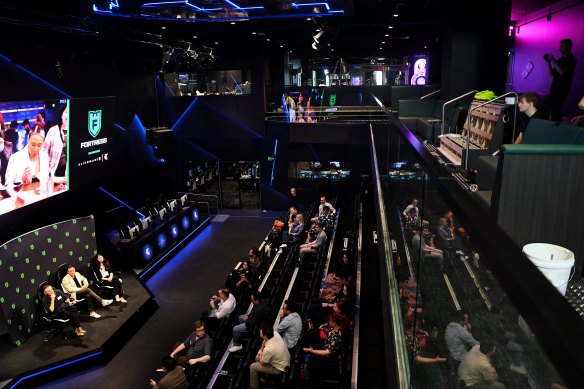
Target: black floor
[36,353]
[181,289]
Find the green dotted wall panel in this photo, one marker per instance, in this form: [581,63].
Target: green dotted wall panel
[32,258]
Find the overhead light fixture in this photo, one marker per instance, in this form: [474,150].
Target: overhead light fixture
[253,33]
[390,27]
[395,15]
[318,35]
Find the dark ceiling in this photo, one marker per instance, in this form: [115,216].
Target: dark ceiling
[351,28]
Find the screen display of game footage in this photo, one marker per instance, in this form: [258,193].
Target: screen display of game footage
[72,147]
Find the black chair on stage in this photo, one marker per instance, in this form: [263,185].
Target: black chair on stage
[55,325]
[104,289]
[61,273]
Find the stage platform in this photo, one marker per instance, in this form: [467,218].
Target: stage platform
[38,360]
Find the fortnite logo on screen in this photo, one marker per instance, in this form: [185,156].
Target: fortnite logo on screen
[94,127]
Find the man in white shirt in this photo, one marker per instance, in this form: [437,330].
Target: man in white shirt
[220,306]
[76,285]
[323,202]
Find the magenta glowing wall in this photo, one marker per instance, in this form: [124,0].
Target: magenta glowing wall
[542,36]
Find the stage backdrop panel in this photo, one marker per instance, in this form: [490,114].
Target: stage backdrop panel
[34,257]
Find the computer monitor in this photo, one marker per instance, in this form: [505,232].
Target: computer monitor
[334,165]
[173,204]
[162,212]
[183,200]
[317,165]
[146,222]
[134,231]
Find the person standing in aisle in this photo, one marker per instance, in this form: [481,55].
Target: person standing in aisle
[562,71]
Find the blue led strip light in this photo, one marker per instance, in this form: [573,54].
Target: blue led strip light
[55,367]
[141,275]
[297,5]
[119,201]
[34,76]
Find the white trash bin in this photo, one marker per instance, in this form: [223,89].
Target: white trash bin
[555,262]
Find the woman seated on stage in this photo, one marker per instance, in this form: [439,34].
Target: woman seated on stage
[107,277]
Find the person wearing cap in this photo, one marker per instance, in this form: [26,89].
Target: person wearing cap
[313,247]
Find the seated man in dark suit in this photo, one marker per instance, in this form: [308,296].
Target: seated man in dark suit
[248,322]
[56,302]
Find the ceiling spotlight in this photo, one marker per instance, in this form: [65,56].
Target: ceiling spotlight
[395,15]
[281,46]
[390,27]
[253,33]
[268,39]
[163,27]
[194,36]
[232,22]
[216,43]
[386,34]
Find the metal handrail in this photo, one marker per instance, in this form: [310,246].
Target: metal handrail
[452,101]
[469,123]
[391,303]
[430,94]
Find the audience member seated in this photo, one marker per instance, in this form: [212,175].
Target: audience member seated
[347,267]
[174,376]
[292,216]
[75,284]
[220,306]
[579,119]
[272,359]
[290,325]
[332,285]
[424,247]
[247,323]
[240,280]
[527,110]
[296,229]
[458,337]
[324,358]
[194,350]
[106,277]
[428,360]
[325,219]
[254,259]
[447,238]
[313,247]
[60,307]
[476,369]
[323,203]
[412,215]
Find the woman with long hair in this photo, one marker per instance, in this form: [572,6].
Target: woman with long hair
[106,276]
